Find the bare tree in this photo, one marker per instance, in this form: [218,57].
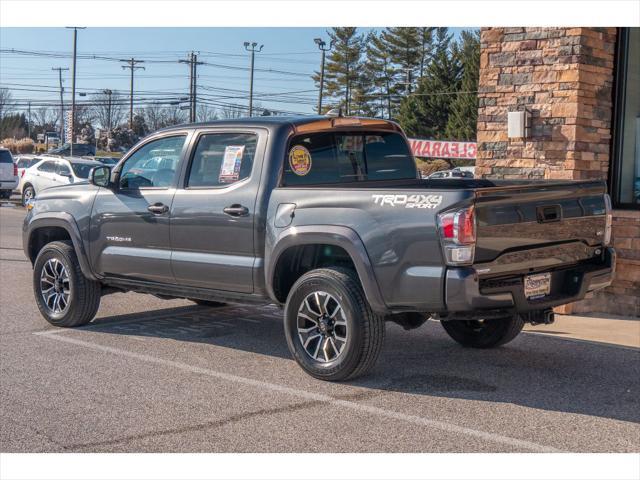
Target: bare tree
[153,117]
[174,116]
[206,113]
[45,117]
[6,102]
[108,110]
[233,111]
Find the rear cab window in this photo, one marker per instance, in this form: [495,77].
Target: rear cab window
[347,157]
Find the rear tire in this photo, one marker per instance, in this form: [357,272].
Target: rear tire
[28,193]
[330,328]
[65,297]
[488,333]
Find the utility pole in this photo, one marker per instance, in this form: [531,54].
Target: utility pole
[108,93]
[321,45]
[29,121]
[251,47]
[73,85]
[193,63]
[60,69]
[132,62]
[407,82]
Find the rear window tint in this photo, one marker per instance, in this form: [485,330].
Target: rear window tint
[325,158]
[5,156]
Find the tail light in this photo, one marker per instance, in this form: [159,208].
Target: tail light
[15,170]
[458,234]
[609,219]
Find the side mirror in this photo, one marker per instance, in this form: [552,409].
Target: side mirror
[100,176]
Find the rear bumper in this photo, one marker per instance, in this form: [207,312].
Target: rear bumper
[8,184]
[466,291]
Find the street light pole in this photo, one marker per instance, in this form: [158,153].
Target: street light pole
[60,69]
[73,85]
[251,47]
[321,45]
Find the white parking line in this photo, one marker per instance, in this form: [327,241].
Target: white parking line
[380,412]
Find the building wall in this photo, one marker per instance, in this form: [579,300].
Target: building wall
[564,78]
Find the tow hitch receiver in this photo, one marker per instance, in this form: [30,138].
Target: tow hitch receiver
[538,316]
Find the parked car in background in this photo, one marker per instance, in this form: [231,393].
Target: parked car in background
[454,173]
[107,160]
[8,173]
[54,171]
[24,162]
[79,150]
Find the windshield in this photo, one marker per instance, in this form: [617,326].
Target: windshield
[82,170]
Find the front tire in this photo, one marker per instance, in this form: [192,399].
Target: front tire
[489,333]
[65,297]
[331,330]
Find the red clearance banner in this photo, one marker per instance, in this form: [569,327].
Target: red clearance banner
[442,149]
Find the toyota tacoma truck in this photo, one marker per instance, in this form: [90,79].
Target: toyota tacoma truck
[328,218]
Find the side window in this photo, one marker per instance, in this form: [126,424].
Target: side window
[153,165]
[63,170]
[221,159]
[47,167]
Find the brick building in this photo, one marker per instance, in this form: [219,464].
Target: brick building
[580,88]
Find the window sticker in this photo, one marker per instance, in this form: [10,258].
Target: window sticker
[231,163]
[300,160]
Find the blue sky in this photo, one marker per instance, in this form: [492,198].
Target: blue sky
[291,51]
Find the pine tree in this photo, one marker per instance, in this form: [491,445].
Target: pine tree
[380,71]
[426,113]
[343,68]
[464,107]
[425,35]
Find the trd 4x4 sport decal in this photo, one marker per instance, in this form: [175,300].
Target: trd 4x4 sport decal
[408,201]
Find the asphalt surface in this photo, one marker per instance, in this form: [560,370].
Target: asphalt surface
[167,376]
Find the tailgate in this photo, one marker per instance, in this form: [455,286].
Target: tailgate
[522,217]
[6,171]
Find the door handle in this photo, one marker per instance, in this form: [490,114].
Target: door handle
[158,208]
[236,210]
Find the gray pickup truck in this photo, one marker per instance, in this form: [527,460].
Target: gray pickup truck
[328,218]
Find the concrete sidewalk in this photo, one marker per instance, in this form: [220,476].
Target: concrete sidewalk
[610,329]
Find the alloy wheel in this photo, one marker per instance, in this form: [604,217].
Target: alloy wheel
[322,326]
[55,286]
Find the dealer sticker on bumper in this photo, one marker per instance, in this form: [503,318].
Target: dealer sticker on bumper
[537,285]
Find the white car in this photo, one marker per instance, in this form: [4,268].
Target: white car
[52,171]
[8,173]
[23,162]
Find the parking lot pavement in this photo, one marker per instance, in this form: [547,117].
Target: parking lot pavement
[168,376]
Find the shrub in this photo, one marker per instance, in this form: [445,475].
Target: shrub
[24,145]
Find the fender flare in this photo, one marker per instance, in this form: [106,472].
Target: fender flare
[339,236]
[67,222]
